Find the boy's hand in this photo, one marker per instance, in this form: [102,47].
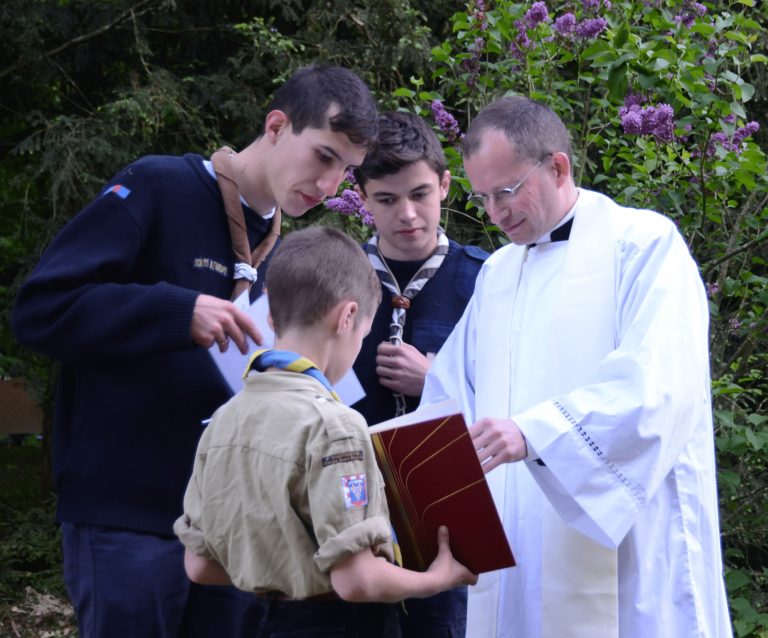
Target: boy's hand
[401,368]
[450,571]
[215,320]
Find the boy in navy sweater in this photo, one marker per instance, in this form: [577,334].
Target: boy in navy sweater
[128,297]
[426,281]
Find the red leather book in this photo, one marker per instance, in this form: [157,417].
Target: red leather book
[433,477]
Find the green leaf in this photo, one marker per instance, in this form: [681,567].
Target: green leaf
[755,441]
[622,35]
[617,83]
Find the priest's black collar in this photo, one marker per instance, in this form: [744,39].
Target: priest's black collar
[561,233]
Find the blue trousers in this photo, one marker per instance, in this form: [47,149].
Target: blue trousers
[276,618]
[441,616]
[133,585]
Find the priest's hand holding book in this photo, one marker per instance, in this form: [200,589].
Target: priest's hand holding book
[497,441]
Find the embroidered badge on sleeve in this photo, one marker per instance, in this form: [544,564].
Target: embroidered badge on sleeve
[343,457]
[355,491]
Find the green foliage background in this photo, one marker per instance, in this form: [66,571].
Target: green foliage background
[86,86]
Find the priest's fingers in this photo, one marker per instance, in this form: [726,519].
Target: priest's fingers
[497,441]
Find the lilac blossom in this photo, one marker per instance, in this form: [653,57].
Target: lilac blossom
[632,98]
[479,15]
[631,119]
[691,11]
[734,324]
[730,118]
[593,6]
[536,15]
[657,121]
[591,28]
[445,121]
[565,24]
[731,144]
[713,289]
[745,131]
[351,204]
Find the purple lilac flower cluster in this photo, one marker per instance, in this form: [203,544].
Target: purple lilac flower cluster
[590,28]
[479,15]
[733,143]
[521,42]
[446,121]
[566,25]
[537,14]
[648,120]
[472,64]
[350,204]
[593,6]
[690,11]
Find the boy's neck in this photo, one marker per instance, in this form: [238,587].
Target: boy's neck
[311,343]
[250,174]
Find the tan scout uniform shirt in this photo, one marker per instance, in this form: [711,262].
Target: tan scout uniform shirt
[279,487]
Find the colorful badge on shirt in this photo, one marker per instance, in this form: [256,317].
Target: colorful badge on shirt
[355,491]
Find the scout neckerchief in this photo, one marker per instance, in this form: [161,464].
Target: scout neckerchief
[401,301]
[287,360]
[246,262]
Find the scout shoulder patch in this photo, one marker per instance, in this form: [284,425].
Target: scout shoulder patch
[355,491]
[118,189]
[343,457]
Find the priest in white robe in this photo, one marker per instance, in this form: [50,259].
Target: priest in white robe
[582,362]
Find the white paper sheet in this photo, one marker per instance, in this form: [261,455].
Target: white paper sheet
[232,363]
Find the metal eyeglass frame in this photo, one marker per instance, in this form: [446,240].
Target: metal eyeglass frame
[479,199]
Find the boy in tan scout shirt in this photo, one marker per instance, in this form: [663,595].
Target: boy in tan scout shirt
[286,499]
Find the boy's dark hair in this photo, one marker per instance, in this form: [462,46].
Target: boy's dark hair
[533,129]
[313,270]
[308,94]
[404,139]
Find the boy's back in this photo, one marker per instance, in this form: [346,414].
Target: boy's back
[285,498]
[306,455]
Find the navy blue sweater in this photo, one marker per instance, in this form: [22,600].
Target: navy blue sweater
[433,314]
[112,299]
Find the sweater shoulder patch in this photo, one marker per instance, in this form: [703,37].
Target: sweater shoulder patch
[118,189]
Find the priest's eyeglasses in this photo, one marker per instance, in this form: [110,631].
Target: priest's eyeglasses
[503,195]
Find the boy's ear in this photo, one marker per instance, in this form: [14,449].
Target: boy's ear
[276,122]
[445,184]
[270,321]
[346,315]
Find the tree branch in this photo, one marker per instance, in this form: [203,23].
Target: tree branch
[138,9]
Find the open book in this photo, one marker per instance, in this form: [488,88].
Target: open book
[433,477]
